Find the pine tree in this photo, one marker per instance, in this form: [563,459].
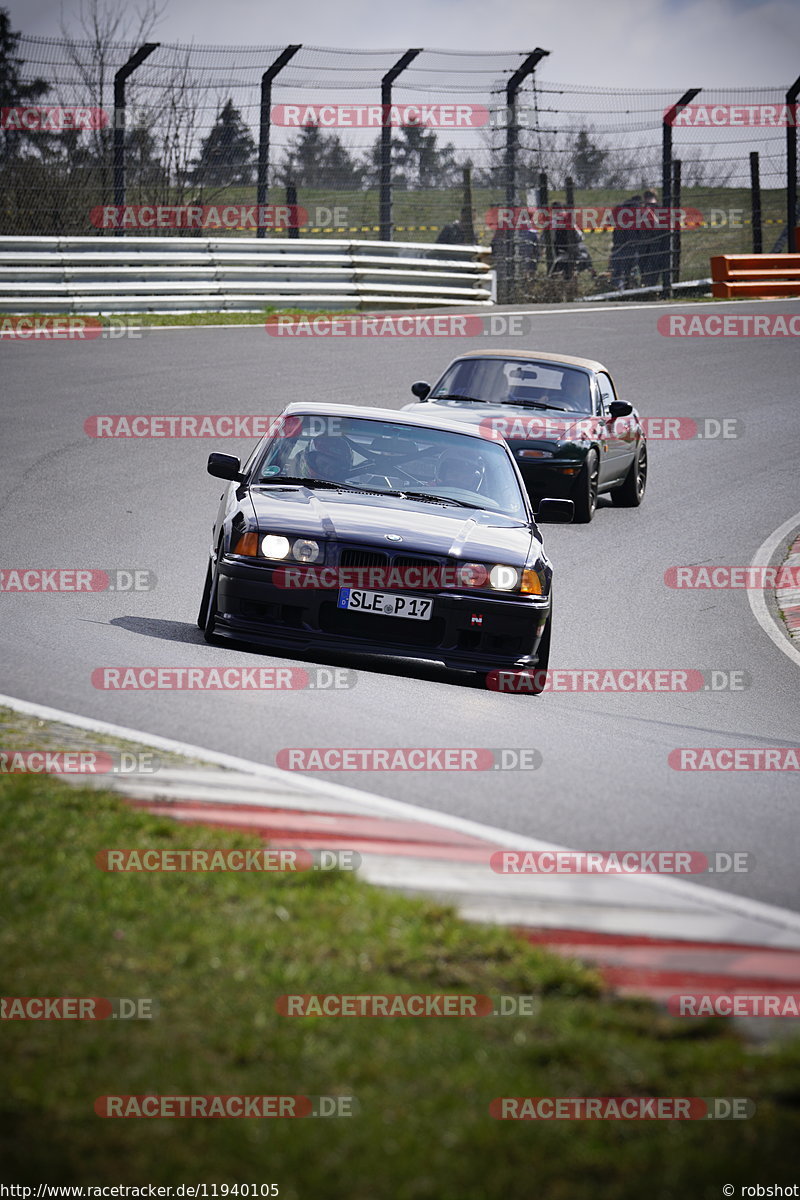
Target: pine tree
[227,155]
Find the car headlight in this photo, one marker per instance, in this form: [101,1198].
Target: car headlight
[472,575]
[275,545]
[306,551]
[528,454]
[503,578]
[532,584]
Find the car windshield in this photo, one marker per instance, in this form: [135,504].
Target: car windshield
[426,466]
[516,381]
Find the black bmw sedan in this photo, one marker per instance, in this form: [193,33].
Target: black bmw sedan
[375,531]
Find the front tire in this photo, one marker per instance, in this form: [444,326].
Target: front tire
[585,496]
[209,617]
[201,616]
[631,494]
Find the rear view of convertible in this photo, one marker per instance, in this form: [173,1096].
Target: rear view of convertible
[373,531]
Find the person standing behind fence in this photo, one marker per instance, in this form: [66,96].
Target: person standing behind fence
[624,243]
[650,240]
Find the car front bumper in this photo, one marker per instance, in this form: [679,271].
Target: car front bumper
[467,631]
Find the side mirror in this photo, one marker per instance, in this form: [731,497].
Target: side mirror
[555,512]
[421,390]
[225,466]
[618,408]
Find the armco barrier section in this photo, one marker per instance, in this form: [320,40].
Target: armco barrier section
[755,275]
[166,274]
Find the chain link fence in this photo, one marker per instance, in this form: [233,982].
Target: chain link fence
[431,146]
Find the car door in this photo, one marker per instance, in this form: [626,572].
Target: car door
[617,443]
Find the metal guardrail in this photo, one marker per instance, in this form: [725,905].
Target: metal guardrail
[180,274]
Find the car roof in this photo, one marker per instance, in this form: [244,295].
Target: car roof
[422,421]
[568,360]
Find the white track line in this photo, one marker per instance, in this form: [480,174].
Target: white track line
[711,898]
[763,558]
[554,311]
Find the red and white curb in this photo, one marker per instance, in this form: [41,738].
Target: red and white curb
[788,598]
[646,934]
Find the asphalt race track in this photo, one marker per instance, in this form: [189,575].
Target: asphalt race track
[69,500]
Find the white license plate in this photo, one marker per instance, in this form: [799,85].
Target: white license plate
[386,604]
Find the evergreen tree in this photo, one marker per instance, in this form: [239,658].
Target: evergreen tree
[227,154]
[13,92]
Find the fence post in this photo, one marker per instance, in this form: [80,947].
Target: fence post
[262,176]
[667,276]
[791,164]
[755,201]
[509,244]
[675,226]
[121,76]
[293,230]
[385,202]
[571,239]
[544,202]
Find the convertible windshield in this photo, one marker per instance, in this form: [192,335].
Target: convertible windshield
[363,454]
[516,381]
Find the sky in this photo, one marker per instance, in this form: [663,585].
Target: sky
[602,43]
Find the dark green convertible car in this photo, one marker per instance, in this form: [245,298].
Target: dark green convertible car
[570,435]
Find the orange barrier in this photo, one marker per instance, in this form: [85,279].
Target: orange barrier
[755,275]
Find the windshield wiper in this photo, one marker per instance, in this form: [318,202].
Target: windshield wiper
[311,483]
[438,499]
[535,404]
[455,396]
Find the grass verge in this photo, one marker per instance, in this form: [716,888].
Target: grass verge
[215,950]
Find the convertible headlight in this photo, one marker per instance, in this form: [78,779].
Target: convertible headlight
[523,454]
[274,545]
[305,550]
[504,579]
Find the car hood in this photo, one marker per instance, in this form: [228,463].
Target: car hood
[470,534]
[513,422]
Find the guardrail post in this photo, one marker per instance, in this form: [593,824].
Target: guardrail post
[668,243]
[121,76]
[509,244]
[262,175]
[791,165]
[755,202]
[386,223]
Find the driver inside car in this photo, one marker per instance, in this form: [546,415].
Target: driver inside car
[328,458]
[460,471]
[575,391]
